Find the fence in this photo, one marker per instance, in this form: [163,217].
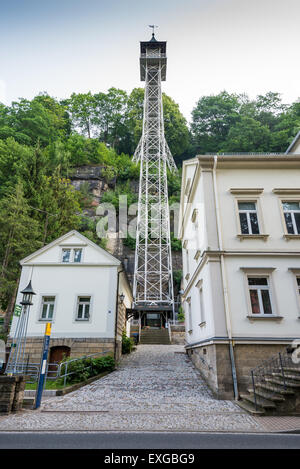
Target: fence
[56,371]
[272,374]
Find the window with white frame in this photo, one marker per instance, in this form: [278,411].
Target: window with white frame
[298,285]
[201,303]
[47,309]
[83,308]
[190,327]
[260,299]
[291,212]
[71,255]
[248,217]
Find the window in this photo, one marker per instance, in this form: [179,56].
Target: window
[190,327]
[83,308]
[72,255]
[77,255]
[291,211]
[259,290]
[248,217]
[298,284]
[202,312]
[66,254]
[47,308]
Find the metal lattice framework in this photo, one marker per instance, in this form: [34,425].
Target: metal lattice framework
[153,285]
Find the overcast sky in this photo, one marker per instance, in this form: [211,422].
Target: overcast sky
[65,46]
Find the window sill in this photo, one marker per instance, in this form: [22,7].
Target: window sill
[265,316]
[291,236]
[46,320]
[264,237]
[202,324]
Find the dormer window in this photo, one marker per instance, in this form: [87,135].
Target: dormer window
[71,255]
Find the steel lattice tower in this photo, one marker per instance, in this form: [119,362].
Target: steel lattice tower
[153,283]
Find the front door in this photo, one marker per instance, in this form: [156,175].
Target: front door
[153,320]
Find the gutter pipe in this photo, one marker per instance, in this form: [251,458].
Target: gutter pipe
[224,281]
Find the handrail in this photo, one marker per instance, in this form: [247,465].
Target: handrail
[268,370]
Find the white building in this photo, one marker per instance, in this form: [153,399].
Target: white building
[240,228]
[78,286]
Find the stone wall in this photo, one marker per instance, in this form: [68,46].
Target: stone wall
[178,335]
[78,346]
[11,393]
[213,361]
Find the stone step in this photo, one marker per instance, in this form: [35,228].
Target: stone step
[277,389]
[270,395]
[260,401]
[28,402]
[279,382]
[249,407]
[157,342]
[288,376]
[292,370]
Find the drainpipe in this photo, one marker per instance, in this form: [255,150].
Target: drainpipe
[117,313]
[224,281]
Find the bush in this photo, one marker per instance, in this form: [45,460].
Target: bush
[127,343]
[86,368]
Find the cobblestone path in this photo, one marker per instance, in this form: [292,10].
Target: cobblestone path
[156,388]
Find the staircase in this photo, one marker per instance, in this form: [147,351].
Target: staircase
[155,336]
[275,388]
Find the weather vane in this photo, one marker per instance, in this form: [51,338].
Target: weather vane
[153,26]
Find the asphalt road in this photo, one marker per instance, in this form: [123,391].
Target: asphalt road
[157,440]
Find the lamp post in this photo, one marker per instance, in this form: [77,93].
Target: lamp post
[122,298]
[16,362]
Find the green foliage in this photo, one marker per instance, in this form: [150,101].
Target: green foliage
[129,242]
[175,243]
[127,343]
[180,317]
[85,368]
[177,277]
[233,123]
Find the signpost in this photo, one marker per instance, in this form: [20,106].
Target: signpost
[43,368]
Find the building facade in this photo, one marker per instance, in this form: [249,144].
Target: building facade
[78,287]
[240,228]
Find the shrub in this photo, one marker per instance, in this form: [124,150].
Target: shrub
[85,368]
[127,343]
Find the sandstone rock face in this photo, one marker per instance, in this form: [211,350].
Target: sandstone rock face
[91,180]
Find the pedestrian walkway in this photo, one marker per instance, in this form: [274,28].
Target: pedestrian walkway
[156,388]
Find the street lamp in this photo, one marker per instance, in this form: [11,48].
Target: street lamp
[122,298]
[16,362]
[27,295]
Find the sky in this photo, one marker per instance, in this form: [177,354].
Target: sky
[66,46]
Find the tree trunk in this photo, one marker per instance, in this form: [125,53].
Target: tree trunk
[10,309]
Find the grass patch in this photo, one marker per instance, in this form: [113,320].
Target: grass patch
[50,384]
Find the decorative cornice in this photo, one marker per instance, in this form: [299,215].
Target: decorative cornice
[287,191]
[245,190]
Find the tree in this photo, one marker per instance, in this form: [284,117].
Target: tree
[41,120]
[82,108]
[19,236]
[212,118]
[248,135]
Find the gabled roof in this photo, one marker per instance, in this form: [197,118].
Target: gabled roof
[294,142]
[110,258]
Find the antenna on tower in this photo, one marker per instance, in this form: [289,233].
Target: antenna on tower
[153,26]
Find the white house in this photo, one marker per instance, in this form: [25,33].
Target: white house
[78,286]
[240,228]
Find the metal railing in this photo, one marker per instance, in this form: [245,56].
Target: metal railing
[272,374]
[60,370]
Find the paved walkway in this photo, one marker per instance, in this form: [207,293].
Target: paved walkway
[156,388]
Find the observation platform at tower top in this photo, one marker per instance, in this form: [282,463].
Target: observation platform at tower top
[153,53]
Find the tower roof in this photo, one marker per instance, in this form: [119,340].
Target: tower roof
[153,43]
